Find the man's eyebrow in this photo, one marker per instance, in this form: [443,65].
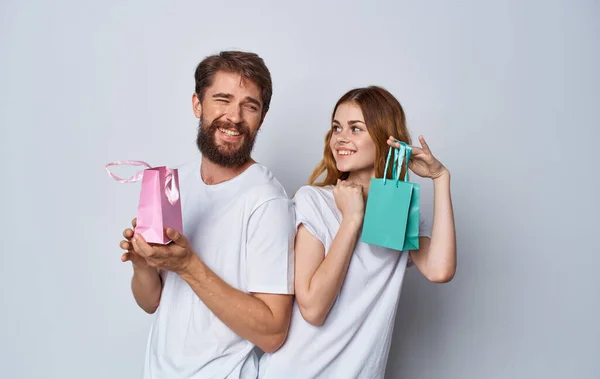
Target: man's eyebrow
[223,95]
[253,101]
[229,96]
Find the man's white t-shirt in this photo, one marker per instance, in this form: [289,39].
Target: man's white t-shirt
[243,229]
[355,339]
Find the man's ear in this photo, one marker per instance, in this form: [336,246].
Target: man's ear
[196,105]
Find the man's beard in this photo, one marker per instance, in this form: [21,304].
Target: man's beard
[225,155]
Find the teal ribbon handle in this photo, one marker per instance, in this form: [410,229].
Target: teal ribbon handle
[407,159]
[396,169]
[400,154]
[387,162]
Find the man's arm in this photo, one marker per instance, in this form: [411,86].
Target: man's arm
[146,286]
[261,314]
[146,283]
[260,318]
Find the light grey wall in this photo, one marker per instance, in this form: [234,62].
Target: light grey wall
[507,94]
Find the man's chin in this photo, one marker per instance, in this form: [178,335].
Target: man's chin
[228,149]
[224,153]
[227,158]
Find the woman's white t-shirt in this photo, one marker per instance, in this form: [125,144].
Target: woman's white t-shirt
[355,339]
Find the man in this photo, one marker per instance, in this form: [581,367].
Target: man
[226,284]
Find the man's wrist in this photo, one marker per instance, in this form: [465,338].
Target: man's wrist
[144,270]
[194,269]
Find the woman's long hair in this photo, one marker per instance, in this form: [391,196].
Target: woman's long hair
[384,117]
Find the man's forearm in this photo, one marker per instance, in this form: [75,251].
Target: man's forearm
[146,286]
[246,315]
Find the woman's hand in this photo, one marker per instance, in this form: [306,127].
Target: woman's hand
[349,199]
[422,162]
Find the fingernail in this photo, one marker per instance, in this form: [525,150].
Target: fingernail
[135,237]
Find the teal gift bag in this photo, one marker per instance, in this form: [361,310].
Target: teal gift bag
[392,214]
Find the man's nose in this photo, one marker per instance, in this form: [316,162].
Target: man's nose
[234,113]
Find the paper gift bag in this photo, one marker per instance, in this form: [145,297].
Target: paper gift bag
[392,213]
[159,206]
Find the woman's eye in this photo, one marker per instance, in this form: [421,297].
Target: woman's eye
[356,129]
[335,128]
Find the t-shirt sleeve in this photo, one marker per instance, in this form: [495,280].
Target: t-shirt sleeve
[270,248]
[424,231]
[424,227]
[309,213]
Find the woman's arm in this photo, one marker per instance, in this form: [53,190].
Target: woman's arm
[319,277]
[436,258]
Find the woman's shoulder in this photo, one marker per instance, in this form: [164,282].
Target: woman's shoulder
[313,193]
[315,207]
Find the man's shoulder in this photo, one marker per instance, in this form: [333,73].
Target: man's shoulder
[262,183]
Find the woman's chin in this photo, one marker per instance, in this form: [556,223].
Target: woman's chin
[342,168]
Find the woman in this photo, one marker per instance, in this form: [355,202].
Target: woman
[347,291]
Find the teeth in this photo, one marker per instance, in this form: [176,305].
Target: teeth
[345,152]
[229,132]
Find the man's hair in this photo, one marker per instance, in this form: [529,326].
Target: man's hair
[249,65]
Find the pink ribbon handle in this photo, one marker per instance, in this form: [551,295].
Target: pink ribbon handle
[171,189]
[136,177]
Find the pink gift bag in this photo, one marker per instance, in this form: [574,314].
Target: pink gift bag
[159,206]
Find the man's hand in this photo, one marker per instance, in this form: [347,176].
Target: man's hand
[174,256]
[146,283]
[136,260]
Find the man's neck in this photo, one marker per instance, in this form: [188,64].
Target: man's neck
[212,173]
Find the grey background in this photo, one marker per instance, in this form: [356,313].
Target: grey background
[506,93]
